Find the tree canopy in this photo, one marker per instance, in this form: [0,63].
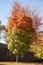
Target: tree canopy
[21,29]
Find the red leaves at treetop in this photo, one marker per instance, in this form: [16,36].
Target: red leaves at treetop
[21,19]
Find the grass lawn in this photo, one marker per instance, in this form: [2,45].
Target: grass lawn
[14,63]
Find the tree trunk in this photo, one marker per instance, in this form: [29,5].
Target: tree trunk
[17,58]
[22,56]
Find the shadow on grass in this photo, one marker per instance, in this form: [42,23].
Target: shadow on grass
[2,64]
[34,62]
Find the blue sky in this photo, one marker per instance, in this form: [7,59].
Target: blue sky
[6,8]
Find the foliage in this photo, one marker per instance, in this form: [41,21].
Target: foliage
[2,33]
[2,27]
[21,29]
[38,51]
[36,21]
[19,40]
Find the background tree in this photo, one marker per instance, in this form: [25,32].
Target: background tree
[36,47]
[21,30]
[2,26]
[38,51]
[2,33]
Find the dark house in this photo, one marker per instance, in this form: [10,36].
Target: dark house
[6,55]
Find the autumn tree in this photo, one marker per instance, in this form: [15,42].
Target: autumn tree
[36,48]
[21,30]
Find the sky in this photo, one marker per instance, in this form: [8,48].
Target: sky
[6,8]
